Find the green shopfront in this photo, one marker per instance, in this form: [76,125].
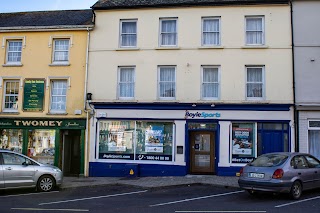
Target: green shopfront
[58,142]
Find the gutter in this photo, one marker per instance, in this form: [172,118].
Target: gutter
[296,112]
[46,28]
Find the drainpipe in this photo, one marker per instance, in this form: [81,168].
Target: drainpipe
[86,159]
[295,113]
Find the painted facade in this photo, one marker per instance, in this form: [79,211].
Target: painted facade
[306,33]
[42,86]
[143,127]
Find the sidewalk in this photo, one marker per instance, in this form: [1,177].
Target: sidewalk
[150,182]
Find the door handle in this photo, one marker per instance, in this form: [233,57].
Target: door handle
[8,168]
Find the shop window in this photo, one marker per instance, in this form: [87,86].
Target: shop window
[243,142]
[135,140]
[41,146]
[11,139]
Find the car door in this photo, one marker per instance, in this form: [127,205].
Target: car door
[1,173]
[18,171]
[314,164]
[302,170]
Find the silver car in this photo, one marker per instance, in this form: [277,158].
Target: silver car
[20,171]
[281,172]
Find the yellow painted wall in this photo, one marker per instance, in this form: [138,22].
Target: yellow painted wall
[105,56]
[36,58]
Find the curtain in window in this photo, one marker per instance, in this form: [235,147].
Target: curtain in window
[168,32]
[211,31]
[126,83]
[314,143]
[254,31]
[11,95]
[129,34]
[61,50]
[14,51]
[58,95]
[167,82]
[254,82]
[210,84]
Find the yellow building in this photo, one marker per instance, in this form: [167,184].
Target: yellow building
[43,58]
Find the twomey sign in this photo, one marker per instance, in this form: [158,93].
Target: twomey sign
[43,123]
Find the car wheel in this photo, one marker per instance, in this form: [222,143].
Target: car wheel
[45,183]
[296,190]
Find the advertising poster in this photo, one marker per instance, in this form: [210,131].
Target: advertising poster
[154,139]
[242,141]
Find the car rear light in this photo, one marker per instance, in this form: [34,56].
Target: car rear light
[278,174]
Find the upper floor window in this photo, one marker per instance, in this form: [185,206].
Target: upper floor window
[128,33]
[11,94]
[58,96]
[126,83]
[255,81]
[210,82]
[14,49]
[255,30]
[210,31]
[61,50]
[168,32]
[167,82]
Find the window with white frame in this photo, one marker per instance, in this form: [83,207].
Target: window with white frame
[168,32]
[14,50]
[11,94]
[210,82]
[211,31]
[255,81]
[255,30]
[128,33]
[167,82]
[58,96]
[61,50]
[314,138]
[126,82]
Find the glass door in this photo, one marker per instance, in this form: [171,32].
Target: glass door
[202,152]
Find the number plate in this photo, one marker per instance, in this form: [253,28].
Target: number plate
[256,175]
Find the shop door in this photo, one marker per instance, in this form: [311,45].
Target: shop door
[71,153]
[272,141]
[202,152]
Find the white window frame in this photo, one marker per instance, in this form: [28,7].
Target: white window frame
[15,109]
[134,78]
[7,51]
[54,50]
[202,31]
[202,82]
[55,111]
[175,83]
[263,30]
[263,81]
[161,33]
[121,34]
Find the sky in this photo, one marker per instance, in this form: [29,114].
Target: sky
[8,6]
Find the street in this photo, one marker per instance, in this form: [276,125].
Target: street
[180,199]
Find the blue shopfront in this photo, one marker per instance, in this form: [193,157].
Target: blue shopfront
[180,139]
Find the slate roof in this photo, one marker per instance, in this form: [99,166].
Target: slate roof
[123,4]
[47,19]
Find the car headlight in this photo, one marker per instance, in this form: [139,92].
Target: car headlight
[56,170]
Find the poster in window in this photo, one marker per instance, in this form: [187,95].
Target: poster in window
[242,141]
[154,139]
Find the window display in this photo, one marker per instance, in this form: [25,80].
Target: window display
[243,142]
[135,140]
[11,139]
[41,146]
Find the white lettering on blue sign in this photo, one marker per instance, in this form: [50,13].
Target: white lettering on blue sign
[202,115]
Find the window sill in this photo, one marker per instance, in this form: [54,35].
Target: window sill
[211,47]
[168,48]
[12,65]
[255,47]
[9,113]
[128,49]
[59,64]
[57,113]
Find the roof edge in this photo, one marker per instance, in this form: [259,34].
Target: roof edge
[47,28]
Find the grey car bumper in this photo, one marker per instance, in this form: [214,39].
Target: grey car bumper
[265,186]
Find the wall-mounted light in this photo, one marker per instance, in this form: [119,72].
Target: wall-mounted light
[312,59]
[212,105]
[89,96]
[193,105]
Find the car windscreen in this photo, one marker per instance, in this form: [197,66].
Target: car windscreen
[269,160]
